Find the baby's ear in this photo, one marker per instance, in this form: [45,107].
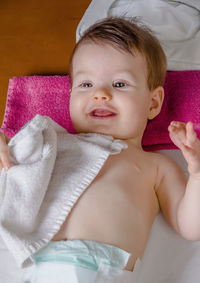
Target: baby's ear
[156,100]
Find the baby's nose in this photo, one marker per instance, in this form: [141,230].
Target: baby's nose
[102,95]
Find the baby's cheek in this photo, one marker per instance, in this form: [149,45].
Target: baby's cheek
[74,105]
[73,114]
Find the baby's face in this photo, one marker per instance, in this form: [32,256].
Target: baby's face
[109,92]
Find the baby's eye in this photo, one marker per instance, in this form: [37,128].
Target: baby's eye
[119,84]
[86,85]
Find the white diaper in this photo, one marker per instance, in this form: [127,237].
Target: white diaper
[80,262]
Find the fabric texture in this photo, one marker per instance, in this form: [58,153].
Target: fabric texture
[51,170]
[181,103]
[175,22]
[31,95]
[49,95]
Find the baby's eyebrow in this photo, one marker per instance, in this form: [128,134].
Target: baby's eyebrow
[128,74]
[80,73]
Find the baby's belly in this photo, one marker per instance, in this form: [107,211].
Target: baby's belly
[112,215]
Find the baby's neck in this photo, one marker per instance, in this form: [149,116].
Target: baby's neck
[133,142]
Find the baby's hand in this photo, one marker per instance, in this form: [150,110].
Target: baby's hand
[4,153]
[184,137]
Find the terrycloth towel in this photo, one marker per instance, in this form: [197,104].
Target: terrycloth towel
[49,95]
[51,170]
[176,23]
[31,95]
[181,103]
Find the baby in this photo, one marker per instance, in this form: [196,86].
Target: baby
[117,73]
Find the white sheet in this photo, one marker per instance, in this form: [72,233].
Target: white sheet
[176,24]
[167,259]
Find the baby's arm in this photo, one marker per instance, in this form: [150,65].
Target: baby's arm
[4,152]
[188,210]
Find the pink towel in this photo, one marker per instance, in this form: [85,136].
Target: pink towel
[181,103]
[49,95]
[31,95]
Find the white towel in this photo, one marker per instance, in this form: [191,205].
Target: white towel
[51,170]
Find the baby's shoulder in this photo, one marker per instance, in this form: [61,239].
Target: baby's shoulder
[162,161]
[167,168]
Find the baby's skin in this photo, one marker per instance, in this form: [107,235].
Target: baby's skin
[110,94]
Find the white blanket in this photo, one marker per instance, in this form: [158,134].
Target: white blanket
[176,24]
[51,170]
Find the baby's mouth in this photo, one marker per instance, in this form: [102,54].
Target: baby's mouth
[102,113]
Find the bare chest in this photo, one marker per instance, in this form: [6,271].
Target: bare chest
[119,206]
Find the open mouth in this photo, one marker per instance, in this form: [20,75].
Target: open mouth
[102,114]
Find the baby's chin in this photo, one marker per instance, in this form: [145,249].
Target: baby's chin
[133,141]
[116,134]
[106,133]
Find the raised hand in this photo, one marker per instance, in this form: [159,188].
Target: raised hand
[185,138]
[4,153]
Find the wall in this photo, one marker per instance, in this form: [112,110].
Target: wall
[36,37]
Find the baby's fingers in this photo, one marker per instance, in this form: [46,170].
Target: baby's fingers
[178,127]
[191,135]
[4,153]
[1,166]
[5,159]
[177,131]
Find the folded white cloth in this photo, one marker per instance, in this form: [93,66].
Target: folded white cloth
[172,21]
[175,23]
[51,170]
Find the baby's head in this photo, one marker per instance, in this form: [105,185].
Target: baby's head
[117,72]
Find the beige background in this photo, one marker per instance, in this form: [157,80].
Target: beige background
[36,37]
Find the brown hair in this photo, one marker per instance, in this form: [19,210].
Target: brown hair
[129,36]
